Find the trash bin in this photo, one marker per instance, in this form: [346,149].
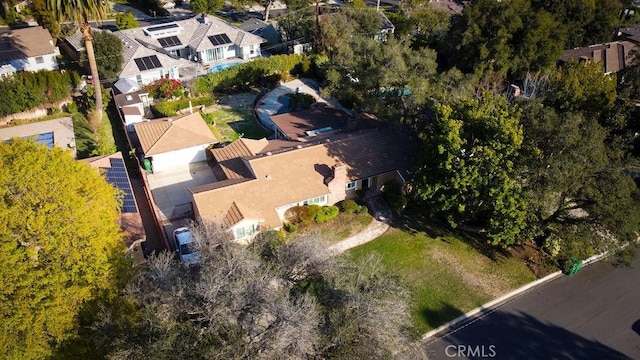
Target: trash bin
[574,266]
[146,163]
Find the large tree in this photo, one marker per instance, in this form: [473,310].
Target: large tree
[80,12]
[60,244]
[469,173]
[268,300]
[108,48]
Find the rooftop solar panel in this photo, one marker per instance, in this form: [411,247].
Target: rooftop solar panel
[117,176]
[43,138]
[169,41]
[162,27]
[219,39]
[148,63]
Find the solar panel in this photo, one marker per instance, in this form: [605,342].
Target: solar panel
[162,27]
[117,176]
[169,41]
[220,39]
[43,138]
[148,62]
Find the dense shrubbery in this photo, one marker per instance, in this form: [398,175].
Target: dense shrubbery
[170,108]
[27,90]
[307,215]
[392,193]
[265,72]
[165,89]
[352,207]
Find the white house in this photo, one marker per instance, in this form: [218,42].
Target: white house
[169,143]
[27,49]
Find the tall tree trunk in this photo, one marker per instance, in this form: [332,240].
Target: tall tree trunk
[88,45]
[267,9]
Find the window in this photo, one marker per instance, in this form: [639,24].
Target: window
[365,183]
[39,60]
[243,232]
[139,79]
[252,49]
[315,200]
[352,185]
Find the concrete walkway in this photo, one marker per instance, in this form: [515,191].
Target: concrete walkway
[379,225]
[269,105]
[137,14]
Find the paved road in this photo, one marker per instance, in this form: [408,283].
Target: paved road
[592,315]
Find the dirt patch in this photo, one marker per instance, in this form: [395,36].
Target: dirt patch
[536,260]
[453,7]
[238,100]
[493,285]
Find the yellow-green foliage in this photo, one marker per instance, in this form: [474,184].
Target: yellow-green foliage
[60,244]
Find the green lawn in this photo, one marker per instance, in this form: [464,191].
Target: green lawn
[90,144]
[340,228]
[230,123]
[446,275]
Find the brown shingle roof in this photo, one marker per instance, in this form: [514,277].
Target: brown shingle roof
[614,56]
[296,124]
[160,136]
[26,42]
[299,174]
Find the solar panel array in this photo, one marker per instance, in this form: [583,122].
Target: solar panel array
[44,138]
[148,62]
[117,176]
[162,27]
[220,39]
[169,41]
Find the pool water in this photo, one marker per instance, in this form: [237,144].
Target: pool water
[220,67]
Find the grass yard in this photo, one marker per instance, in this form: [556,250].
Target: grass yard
[89,143]
[446,275]
[340,228]
[230,123]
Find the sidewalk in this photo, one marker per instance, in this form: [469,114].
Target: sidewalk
[379,225]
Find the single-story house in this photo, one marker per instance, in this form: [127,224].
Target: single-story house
[113,168]
[58,132]
[167,143]
[27,49]
[259,180]
[132,107]
[613,56]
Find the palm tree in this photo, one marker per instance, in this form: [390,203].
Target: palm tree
[80,12]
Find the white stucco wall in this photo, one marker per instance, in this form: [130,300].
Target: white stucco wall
[153,75]
[181,157]
[30,64]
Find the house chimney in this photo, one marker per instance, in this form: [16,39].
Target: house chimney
[204,19]
[338,184]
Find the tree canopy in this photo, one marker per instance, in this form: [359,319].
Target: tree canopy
[60,243]
[108,49]
[269,300]
[126,21]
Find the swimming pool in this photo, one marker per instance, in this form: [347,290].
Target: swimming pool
[220,67]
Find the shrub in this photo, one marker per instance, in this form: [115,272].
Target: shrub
[290,228]
[72,108]
[392,193]
[165,89]
[27,90]
[309,214]
[362,210]
[170,108]
[349,206]
[300,101]
[328,213]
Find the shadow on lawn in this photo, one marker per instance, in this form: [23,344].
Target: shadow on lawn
[440,315]
[415,219]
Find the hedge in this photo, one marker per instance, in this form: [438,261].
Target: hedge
[352,207]
[170,108]
[27,90]
[265,72]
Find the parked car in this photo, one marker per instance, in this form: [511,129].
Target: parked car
[184,243]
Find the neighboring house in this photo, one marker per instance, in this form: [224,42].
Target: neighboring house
[58,132]
[159,51]
[168,143]
[613,56]
[259,180]
[132,108]
[112,167]
[265,30]
[27,49]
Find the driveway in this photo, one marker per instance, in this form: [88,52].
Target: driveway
[170,189]
[594,314]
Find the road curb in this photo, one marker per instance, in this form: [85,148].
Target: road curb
[488,306]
